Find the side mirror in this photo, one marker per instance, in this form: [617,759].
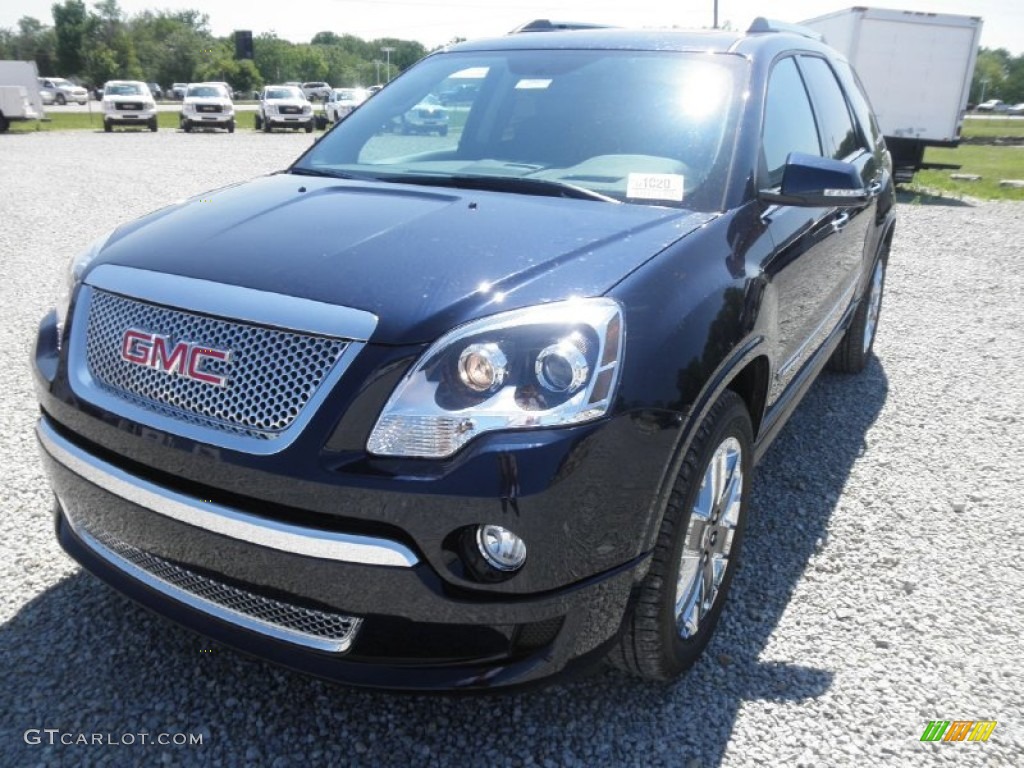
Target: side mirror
[818,182]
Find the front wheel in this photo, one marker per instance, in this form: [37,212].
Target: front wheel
[59,98]
[257,123]
[697,551]
[309,127]
[107,127]
[854,351]
[231,127]
[186,126]
[153,125]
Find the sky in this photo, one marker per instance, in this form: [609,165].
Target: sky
[434,22]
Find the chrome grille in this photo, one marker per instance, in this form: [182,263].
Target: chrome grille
[306,626]
[271,374]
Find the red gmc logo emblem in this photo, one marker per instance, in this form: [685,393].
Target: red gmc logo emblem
[182,359]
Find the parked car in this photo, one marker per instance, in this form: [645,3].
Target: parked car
[1016,109]
[427,116]
[283,106]
[316,90]
[156,90]
[476,412]
[63,91]
[178,91]
[128,102]
[207,105]
[992,105]
[343,101]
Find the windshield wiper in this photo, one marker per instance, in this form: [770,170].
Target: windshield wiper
[520,184]
[321,172]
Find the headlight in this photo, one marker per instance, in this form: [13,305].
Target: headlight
[149,105]
[307,109]
[545,366]
[271,109]
[71,277]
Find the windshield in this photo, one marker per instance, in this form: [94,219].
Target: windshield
[123,89]
[206,92]
[639,127]
[284,93]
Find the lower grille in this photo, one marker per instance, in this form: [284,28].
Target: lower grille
[303,626]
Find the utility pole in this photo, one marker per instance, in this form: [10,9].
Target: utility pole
[387,49]
[716,15]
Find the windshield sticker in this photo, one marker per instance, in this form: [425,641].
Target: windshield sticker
[533,84]
[655,186]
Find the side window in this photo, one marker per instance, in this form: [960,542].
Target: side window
[837,132]
[860,103]
[788,120]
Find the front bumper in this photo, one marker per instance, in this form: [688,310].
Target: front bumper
[215,119]
[363,610]
[285,120]
[134,117]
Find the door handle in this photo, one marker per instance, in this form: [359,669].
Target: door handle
[840,221]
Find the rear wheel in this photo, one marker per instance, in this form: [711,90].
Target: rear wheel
[854,351]
[697,551]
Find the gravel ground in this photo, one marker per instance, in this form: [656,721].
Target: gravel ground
[882,586]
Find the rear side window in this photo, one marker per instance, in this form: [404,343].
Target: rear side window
[859,102]
[837,132]
[788,120]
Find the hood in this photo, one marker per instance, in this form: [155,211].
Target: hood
[423,260]
[287,103]
[219,100]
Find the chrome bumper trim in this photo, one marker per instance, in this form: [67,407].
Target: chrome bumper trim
[284,537]
[283,621]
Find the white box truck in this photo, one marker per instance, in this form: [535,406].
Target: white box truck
[917,70]
[26,104]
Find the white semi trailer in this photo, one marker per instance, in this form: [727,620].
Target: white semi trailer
[917,70]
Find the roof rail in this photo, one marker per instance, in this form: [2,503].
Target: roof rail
[761,24]
[544,25]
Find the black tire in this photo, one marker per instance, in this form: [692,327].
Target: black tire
[854,351]
[4,124]
[651,644]
[107,127]
[309,127]
[231,127]
[153,125]
[59,98]
[442,131]
[257,123]
[266,126]
[186,126]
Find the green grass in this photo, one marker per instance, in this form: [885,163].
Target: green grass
[992,163]
[993,128]
[84,121]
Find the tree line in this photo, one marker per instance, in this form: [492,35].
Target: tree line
[998,75]
[93,46]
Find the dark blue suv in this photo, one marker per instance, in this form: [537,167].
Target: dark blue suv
[468,410]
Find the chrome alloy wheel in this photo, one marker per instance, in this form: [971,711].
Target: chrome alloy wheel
[709,536]
[874,305]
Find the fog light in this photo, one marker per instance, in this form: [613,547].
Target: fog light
[501,548]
